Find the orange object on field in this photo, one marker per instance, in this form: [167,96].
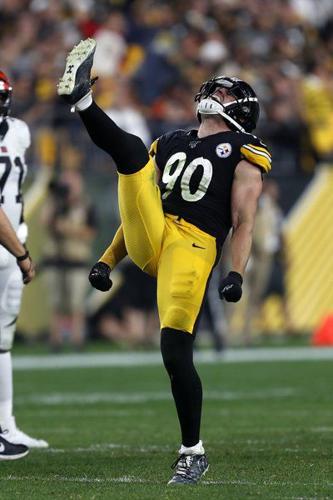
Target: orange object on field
[323,335]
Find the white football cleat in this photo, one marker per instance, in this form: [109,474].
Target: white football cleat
[75,83]
[15,436]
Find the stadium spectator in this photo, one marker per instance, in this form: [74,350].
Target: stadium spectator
[167,49]
[111,43]
[71,222]
[267,249]
[129,317]
[126,112]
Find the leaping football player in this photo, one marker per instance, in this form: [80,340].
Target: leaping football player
[14,141]
[177,204]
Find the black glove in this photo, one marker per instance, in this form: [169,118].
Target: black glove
[99,277]
[230,288]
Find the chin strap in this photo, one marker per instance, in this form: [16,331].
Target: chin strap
[209,106]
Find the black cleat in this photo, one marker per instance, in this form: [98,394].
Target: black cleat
[10,451]
[189,469]
[75,83]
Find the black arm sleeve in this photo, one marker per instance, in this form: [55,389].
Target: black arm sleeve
[128,151]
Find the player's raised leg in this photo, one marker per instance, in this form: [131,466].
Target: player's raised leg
[139,198]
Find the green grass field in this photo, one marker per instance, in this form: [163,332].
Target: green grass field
[267,428]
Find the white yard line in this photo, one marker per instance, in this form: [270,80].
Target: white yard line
[135,359]
[85,479]
[56,412]
[106,447]
[133,479]
[91,398]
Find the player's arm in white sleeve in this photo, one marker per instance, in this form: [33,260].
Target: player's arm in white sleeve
[8,237]
[10,241]
[25,143]
[24,135]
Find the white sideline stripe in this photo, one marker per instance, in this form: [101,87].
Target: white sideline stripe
[79,398]
[134,359]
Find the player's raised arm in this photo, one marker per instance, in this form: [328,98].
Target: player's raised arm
[246,189]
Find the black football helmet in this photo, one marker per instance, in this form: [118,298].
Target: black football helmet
[5,94]
[241,114]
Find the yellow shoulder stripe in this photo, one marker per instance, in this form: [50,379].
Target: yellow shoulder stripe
[259,149]
[257,155]
[153,148]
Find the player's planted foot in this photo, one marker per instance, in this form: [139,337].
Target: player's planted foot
[11,451]
[76,83]
[189,469]
[14,435]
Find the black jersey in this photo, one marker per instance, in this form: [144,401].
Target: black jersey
[197,174]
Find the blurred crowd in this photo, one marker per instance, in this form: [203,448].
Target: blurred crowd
[152,57]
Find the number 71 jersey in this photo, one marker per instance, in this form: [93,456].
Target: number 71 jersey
[197,174]
[14,141]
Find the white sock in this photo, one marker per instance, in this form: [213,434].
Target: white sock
[6,386]
[197,449]
[83,103]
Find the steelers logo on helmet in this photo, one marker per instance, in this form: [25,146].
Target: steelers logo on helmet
[223,150]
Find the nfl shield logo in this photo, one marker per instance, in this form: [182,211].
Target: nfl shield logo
[223,150]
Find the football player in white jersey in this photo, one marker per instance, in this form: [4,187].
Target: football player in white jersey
[14,141]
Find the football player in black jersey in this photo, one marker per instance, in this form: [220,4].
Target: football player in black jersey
[177,204]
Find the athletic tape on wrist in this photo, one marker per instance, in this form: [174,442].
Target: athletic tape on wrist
[83,103]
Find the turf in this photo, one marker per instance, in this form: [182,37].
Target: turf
[267,428]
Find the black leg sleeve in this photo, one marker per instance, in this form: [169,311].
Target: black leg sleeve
[127,150]
[177,353]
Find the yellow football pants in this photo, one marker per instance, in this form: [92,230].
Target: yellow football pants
[179,254]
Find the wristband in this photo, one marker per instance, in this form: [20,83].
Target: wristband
[23,257]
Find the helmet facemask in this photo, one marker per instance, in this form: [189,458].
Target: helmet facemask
[241,114]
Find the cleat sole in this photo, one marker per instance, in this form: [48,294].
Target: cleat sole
[4,458]
[79,54]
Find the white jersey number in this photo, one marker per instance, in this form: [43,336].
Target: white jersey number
[170,178]
[6,161]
